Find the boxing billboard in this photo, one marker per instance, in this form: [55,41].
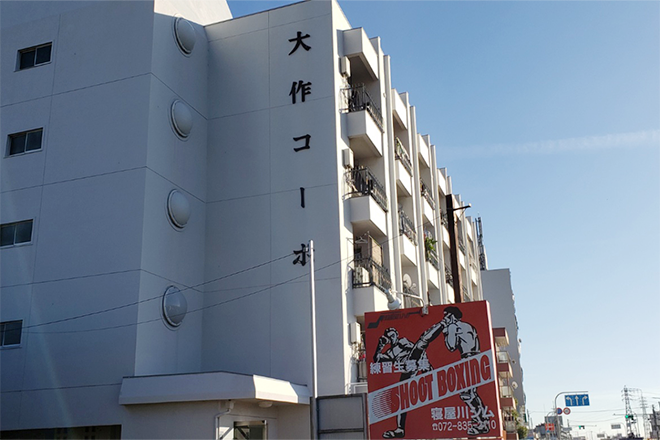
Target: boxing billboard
[432,376]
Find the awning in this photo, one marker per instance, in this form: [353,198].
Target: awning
[219,385]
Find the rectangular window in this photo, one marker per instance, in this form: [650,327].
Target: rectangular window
[15,233]
[34,56]
[24,142]
[10,333]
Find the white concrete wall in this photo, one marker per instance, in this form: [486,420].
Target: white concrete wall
[85,191]
[254,211]
[97,191]
[498,292]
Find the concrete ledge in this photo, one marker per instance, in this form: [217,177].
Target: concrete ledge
[218,385]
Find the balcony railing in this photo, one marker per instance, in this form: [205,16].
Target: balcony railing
[432,257]
[503,357]
[444,219]
[407,227]
[466,294]
[426,193]
[368,273]
[362,182]
[358,99]
[448,276]
[402,156]
[461,246]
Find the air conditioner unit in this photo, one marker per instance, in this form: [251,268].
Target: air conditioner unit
[345,67]
[355,332]
[347,158]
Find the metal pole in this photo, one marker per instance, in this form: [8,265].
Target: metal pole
[313,407]
[557,413]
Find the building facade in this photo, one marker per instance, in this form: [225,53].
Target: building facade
[166,167]
[498,292]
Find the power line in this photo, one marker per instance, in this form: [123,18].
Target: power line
[111,309]
[417,228]
[190,311]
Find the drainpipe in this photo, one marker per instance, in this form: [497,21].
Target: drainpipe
[230,406]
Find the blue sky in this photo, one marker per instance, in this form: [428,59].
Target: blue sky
[547,117]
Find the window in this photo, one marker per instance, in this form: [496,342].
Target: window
[10,333]
[15,233]
[251,430]
[34,56]
[24,142]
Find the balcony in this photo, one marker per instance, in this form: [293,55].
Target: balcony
[368,199]
[449,278]
[507,403]
[431,254]
[423,151]
[501,336]
[428,204]
[403,156]
[403,169]
[461,255]
[426,193]
[365,122]
[461,246]
[369,273]
[361,52]
[370,281]
[407,227]
[466,294]
[399,110]
[408,238]
[509,426]
[504,365]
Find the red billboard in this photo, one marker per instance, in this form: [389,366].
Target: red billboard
[433,375]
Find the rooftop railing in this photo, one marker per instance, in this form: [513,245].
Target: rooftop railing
[358,99]
[362,182]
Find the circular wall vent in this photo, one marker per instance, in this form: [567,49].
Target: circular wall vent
[175,306]
[185,35]
[182,119]
[178,209]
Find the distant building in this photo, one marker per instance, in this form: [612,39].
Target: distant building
[498,291]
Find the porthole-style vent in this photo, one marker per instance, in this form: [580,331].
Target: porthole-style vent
[178,209]
[185,35]
[175,306]
[182,119]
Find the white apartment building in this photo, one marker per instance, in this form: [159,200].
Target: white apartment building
[164,167]
[498,291]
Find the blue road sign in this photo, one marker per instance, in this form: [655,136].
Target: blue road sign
[577,399]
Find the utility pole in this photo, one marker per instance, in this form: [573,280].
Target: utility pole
[313,402]
[645,420]
[631,423]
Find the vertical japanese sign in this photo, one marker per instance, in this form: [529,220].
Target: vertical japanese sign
[299,90]
[432,376]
